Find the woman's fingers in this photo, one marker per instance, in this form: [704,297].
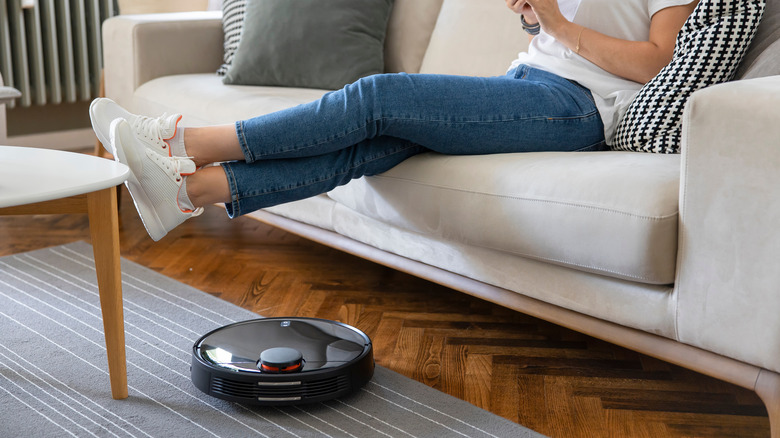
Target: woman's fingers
[516,5]
[547,12]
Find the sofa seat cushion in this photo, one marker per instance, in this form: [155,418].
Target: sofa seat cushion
[611,213]
[214,102]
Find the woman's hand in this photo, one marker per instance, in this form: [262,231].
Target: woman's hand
[548,14]
[522,7]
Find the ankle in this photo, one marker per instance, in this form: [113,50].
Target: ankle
[213,144]
[192,138]
[207,186]
[177,143]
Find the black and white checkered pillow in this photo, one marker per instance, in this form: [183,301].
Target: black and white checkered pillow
[708,50]
[232,25]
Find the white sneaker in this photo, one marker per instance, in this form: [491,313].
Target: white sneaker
[154,182]
[156,130]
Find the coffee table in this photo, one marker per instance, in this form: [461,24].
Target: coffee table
[45,181]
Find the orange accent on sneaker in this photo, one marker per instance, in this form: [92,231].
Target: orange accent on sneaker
[175,130]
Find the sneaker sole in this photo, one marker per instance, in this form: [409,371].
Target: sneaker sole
[149,217]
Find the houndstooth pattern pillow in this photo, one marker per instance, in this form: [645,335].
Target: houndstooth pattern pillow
[232,25]
[708,50]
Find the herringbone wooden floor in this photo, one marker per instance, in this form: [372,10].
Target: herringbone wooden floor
[550,379]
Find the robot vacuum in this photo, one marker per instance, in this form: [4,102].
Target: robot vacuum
[282,361]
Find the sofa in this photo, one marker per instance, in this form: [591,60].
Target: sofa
[674,256]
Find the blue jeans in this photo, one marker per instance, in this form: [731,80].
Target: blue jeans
[372,125]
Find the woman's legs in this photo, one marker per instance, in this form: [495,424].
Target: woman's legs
[527,110]
[289,179]
[372,125]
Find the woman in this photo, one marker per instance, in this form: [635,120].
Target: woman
[566,93]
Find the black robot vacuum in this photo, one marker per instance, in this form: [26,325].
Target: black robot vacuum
[282,361]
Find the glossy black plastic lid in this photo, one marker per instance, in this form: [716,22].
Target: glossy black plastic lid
[322,343]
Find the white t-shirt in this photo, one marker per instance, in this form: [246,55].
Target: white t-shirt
[624,19]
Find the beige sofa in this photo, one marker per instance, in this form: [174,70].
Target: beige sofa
[674,256]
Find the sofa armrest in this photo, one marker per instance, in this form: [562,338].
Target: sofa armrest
[728,280]
[139,48]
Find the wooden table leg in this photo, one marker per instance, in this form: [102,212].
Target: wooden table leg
[104,228]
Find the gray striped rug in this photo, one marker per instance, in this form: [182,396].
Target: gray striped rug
[54,383]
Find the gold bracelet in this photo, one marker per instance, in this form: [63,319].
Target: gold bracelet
[579,38]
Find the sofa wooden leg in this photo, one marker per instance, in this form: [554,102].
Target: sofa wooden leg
[768,388]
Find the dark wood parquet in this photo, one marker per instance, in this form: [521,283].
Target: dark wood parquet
[553,380]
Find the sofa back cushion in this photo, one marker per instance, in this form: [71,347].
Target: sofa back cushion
[763,57]
[408,32]
[766,64]
[475,38]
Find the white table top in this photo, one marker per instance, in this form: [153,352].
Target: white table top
[29,175]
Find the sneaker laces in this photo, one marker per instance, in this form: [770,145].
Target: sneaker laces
[174,166]
[151,128]
[178,168]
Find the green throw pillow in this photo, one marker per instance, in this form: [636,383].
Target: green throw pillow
[310,43]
